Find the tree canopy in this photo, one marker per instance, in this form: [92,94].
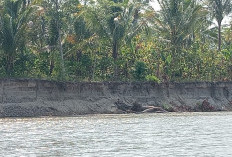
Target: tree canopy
[116,40]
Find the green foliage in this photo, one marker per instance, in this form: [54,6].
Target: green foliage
[81,29]
[14,15]
[105,67]
[219,10]
[227,53]
[177,20]
[140,71]
[152,78]
[41,68]
[24,63]
[168,107]
[53,32]
[107,40]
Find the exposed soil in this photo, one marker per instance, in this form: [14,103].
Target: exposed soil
[32,97]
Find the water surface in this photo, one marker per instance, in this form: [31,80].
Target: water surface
[140,135]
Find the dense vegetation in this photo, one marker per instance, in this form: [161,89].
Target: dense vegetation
[97,40]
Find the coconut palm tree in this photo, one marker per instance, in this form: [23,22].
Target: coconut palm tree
[116,22]
[177,26]
[14,15]
[177,21]
[219,9]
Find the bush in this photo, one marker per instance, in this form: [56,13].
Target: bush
[152,78]
[140,71]
[168,107]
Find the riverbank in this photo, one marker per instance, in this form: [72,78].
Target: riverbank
[33,97]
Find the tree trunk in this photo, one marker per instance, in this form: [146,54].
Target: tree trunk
[9,65]
[61,58]
[158,70]
[78,59]
[115,50]
[115,56]
[94,68]
[60,44]
[219,36]
[78,55]
[51,67]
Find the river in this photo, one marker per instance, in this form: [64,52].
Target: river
[131,135]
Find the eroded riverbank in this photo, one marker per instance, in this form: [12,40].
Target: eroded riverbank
[31,97]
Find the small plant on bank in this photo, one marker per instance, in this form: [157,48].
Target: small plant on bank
[168,107]
[153,78]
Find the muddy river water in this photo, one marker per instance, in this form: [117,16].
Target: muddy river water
[131,135]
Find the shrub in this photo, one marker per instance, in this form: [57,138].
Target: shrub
[152,78]
[140,71]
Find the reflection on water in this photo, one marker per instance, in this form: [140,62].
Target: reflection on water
[178,134]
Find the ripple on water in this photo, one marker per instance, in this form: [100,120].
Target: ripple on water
[176,134]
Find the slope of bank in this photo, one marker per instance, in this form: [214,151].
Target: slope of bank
[31,97]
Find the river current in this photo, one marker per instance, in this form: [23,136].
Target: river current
[131,135]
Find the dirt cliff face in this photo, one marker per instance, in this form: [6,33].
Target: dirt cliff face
[29,97]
